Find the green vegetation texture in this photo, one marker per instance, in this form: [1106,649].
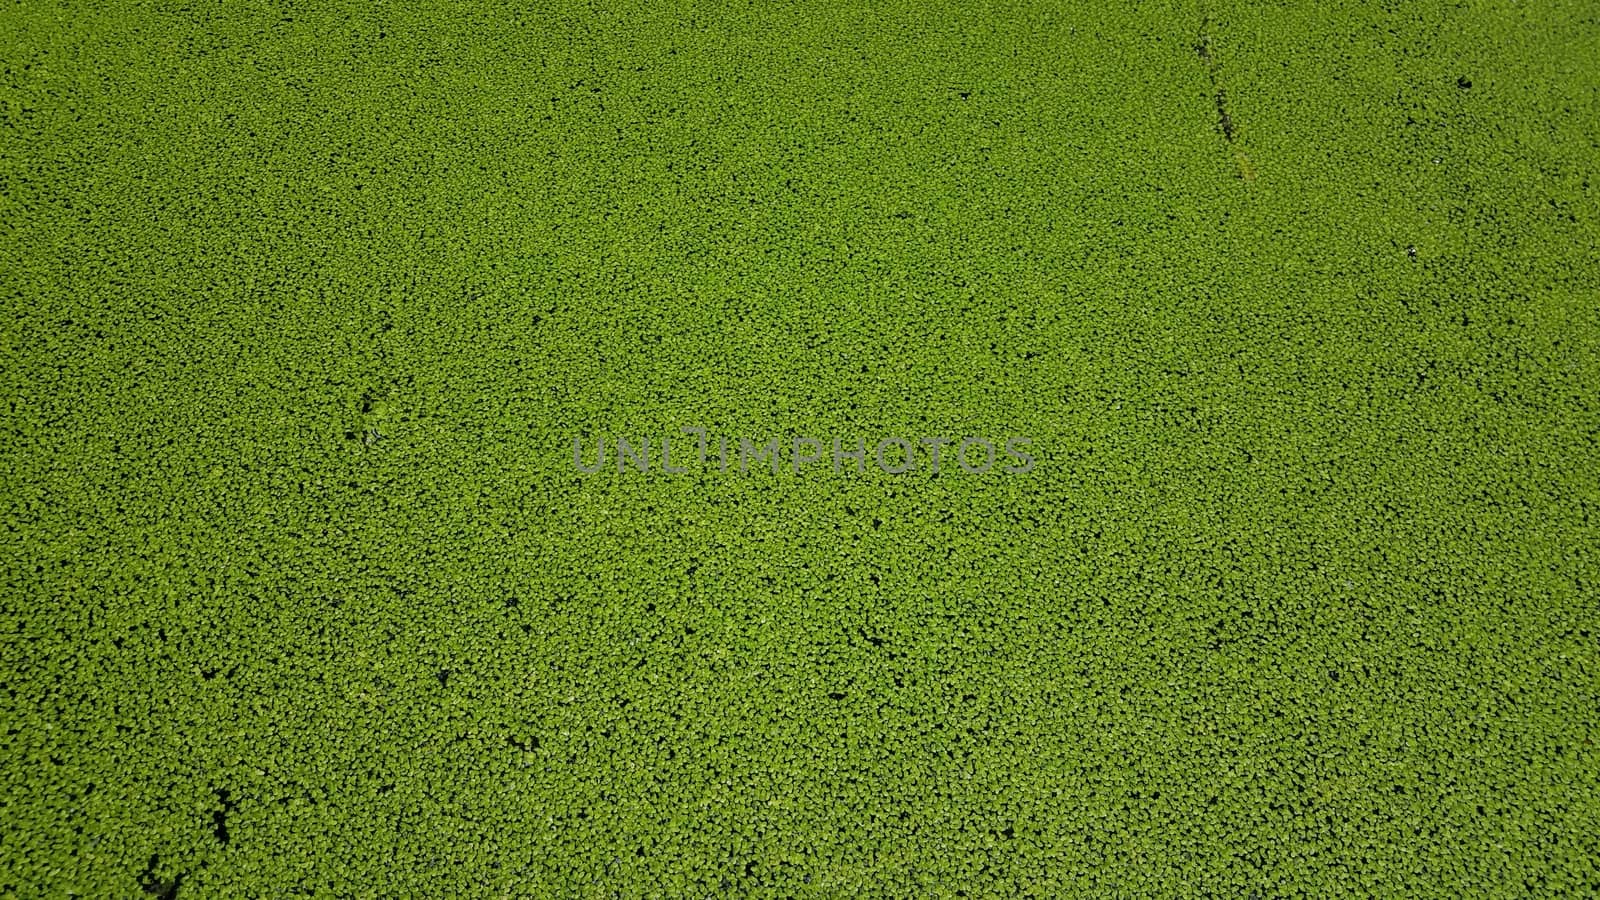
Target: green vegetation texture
[304,304]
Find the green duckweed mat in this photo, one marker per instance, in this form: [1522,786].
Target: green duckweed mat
[1295,315]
